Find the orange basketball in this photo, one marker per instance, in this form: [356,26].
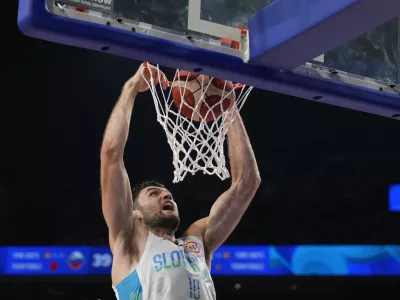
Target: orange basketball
[189,87]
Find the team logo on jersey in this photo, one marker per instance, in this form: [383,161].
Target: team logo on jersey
[192,247]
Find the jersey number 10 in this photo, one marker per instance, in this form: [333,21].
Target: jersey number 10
[194,288]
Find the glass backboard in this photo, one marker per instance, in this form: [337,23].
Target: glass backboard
[374,54]
[218,29]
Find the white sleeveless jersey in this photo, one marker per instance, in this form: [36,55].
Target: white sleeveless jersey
[169,271]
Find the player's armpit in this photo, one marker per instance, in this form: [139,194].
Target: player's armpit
[117,203]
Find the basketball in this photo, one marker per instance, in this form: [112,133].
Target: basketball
[189,87]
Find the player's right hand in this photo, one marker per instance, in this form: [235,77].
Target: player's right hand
[146,72]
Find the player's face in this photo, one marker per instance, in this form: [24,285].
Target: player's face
[158,208]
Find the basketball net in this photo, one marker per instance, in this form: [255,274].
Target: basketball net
[196,145]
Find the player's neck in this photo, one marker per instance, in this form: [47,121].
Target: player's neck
[164,233]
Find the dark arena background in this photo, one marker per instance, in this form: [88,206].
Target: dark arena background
[330,186]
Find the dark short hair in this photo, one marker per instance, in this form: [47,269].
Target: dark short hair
[138,188]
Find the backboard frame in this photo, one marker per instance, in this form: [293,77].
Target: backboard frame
[146,43]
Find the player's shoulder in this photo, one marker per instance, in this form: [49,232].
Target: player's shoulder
[192,245]
[197,229]
[193,237]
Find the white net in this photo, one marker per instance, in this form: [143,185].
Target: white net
[195,112]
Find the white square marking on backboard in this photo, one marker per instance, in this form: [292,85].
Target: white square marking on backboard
[195,23]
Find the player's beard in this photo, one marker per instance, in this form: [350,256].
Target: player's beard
[167,222]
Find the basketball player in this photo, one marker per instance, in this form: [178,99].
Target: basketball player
[149,261]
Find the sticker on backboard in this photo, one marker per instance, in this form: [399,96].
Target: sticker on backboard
[98,5]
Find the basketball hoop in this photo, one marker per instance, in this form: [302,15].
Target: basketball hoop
[196,140]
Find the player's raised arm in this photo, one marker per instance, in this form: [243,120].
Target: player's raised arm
[229,208]
[116,190]
[115,186]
